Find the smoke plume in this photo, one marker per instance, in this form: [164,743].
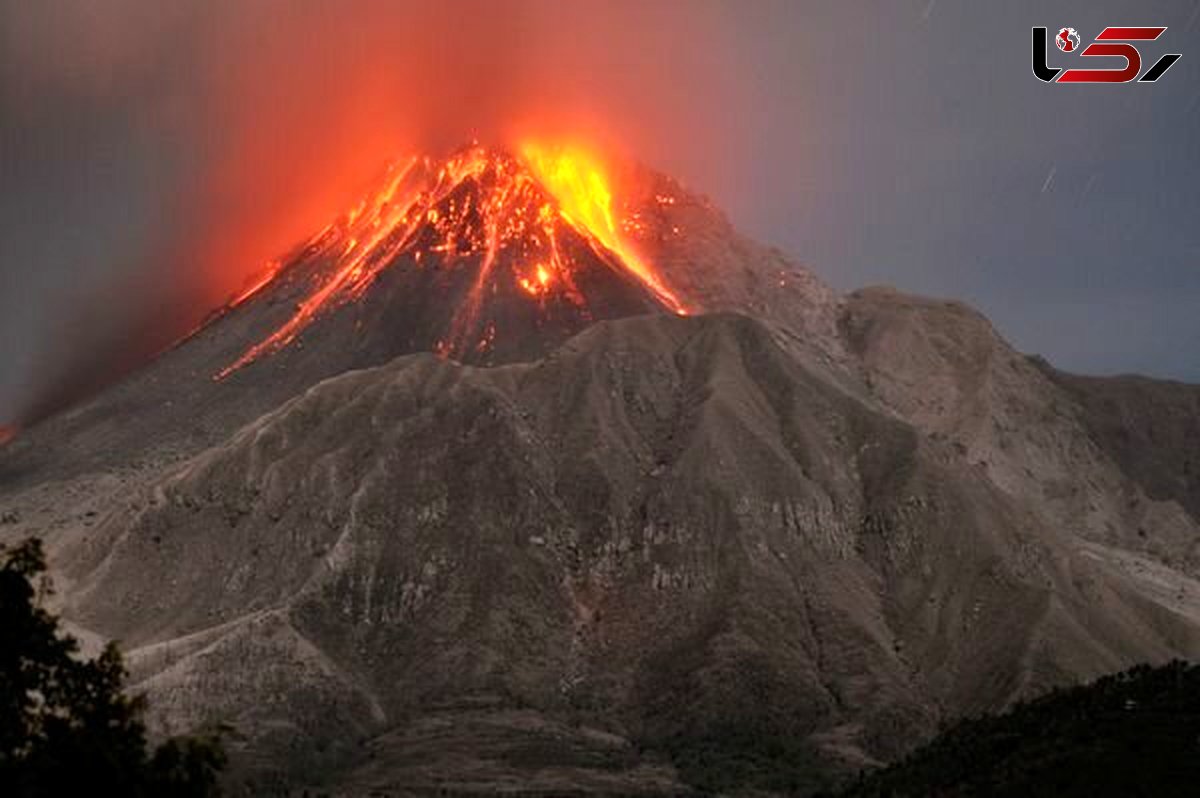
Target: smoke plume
[163,152]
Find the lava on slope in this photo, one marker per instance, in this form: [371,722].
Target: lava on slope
[504,241]
[7,433]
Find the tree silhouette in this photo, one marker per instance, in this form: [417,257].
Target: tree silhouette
[65,726]
[1134,733]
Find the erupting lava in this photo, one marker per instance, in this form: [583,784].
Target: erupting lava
[510,222]
[578,183]
[7,433]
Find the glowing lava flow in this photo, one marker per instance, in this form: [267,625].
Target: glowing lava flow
[467,209]
[257,284]
[372,220]
[577,181]
[7,433]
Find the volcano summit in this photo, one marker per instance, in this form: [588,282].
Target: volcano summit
[485,250]
[527,474]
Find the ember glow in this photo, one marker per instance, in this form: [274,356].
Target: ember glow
[465,212]
[227,133]
[256,284]
[7,433]
[584,193]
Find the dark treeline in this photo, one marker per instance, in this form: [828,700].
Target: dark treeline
[66,727]
[1135,733]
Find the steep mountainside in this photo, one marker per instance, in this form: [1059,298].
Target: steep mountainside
[1151,428]
[941,365]
[669,531]
[471,256]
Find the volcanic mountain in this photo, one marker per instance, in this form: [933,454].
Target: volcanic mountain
[483,257]
[530,475]
[472,258]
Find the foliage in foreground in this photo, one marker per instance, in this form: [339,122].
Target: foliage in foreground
[65,726]
[1136,733]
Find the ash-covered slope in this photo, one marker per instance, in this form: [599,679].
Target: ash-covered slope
[1151,428]
[669,531]
[1074,450]
[483,257]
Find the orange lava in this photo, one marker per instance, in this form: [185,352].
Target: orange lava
[7,433]
[577,180]
[374,219]
[538,283]
[257,284]
[511,202]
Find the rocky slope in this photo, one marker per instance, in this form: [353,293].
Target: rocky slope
[668,531]
[1150,428]
[1042,436]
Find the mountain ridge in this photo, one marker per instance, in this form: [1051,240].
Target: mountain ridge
[133,581]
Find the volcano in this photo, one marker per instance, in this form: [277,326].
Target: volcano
[484,257]
[528,472]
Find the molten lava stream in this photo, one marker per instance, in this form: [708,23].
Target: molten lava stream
[577,182]
[257,285]
[375,227]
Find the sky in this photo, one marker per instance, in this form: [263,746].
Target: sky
[152,155]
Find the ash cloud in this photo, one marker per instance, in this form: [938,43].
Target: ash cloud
[156,155]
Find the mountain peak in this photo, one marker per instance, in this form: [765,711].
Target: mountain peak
[491,234]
